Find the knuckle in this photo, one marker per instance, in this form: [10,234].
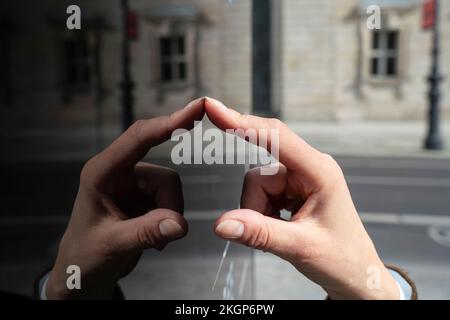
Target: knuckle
[261,239]
[87,172]
[169,177]
[146,237]
[252,175]
[136,128]
[333,169]
[275,123]
[172,176]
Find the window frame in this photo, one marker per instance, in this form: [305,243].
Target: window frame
[383,53]
[175,59]
[87,62]
[170,26]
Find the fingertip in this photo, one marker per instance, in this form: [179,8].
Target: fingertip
[230,229]
[222,116]
[161,214]
[233,214]
[231,225]
[215,104]
[195,103]
[216,110]
[171,229]
[178,218]
[187,117]
[194,110]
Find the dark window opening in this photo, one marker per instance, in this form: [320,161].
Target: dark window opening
[376,40]
[391,67]
[77,63]
[392,37]
[173,59]
[182,70]
[384,54]
[374,66]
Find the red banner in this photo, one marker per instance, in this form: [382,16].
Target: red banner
[132,25]
[428,14]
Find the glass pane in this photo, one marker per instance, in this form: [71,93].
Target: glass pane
[45,144]
[392,39]
[165,47]
[83,50]
[166,71]
[180,45]
[69,51]
[69,67]
[71,73]
[375,66]
[376,39]
[86,74]
[76,61]
[391,67]
[182,70]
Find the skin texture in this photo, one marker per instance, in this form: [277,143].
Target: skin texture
[325,239]
[125,206]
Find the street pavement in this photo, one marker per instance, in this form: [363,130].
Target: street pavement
[405,203]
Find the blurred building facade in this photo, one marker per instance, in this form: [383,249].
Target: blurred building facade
[326,63]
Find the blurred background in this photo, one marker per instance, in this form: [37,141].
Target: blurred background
[378,100]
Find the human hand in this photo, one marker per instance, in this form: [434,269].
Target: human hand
[325,239]
[123,207]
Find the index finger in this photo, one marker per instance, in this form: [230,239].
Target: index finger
[127,150]
[294,152]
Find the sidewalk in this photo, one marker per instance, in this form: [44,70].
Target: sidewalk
[376,138]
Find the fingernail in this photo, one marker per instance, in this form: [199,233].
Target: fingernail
[193,103]
[170,229]
[230,229]
[217,103]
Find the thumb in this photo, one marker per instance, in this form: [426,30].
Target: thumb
[257,231]
[152,230]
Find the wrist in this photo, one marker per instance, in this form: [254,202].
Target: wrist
[386,289]
[57,289]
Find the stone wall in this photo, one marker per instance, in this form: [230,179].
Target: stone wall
[320,65]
